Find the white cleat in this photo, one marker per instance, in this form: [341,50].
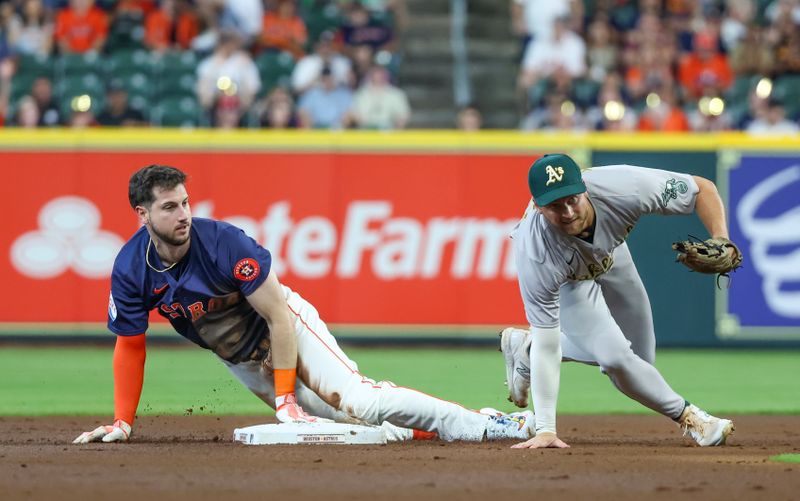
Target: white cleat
[515,345]
[704,428]
[517,425]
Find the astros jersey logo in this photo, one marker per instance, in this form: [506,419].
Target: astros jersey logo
[554,174]
[246,269]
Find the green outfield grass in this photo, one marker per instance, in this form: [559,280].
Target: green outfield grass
[78,381]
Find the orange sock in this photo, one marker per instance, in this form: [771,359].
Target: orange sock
[424,435]
[284,384]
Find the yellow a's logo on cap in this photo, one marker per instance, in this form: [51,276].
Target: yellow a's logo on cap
[553,174]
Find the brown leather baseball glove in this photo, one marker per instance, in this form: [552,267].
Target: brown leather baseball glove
[709,256]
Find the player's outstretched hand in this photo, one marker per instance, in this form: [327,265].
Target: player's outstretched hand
[117,432]
[291,412]
[541,441]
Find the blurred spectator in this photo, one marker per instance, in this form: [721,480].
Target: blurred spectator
[380,105]
[564,49]
[602,54]
[623,14]
[532,20]
[283,29]
[710,115]
[325,106]
[469,118]
[6,17]
[278,110]
[648,32]
[392,12]
[126,24]
[786,34]
[229,70]
[663,112]
[739,16]
[49,112]
[244,17]
[81,27]
[6,73]
[117,111]
[227,113]
[308,69]
[752,56]
[704,66]
[612,112]
[362,58]
[784,9]
[558,114]
[773,121]
[82,119]
[27,115]
[647,74]
[32,33]
[208,13]
[142,6]
[360,29]
[172,26]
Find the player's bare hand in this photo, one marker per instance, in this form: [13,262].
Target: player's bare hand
[542,441]
[291,412]
[117,432]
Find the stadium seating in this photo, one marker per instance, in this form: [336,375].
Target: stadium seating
[275,69]
[70,87]
[29,68]
[177,111]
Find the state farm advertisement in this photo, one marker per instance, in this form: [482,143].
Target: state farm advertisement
[367,238]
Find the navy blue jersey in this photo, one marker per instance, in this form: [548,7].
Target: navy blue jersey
[203,296]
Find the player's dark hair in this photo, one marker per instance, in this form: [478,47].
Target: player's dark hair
[140,187]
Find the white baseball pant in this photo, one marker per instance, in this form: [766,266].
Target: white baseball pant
[330,386]
[608,322]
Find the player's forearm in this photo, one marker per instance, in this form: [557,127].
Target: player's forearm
[710,209]
[283,345]
[129,357]
[545,376]
[269,301]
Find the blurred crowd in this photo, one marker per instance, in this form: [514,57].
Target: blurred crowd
[648,65]
[653,65]
[207,63]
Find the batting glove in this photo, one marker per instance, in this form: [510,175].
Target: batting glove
[287,410]
[117,432]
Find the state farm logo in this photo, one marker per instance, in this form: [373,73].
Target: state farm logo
[774,242]
[69,237]
[373,240]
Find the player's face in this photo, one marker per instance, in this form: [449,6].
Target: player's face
[572,214]
[170,216]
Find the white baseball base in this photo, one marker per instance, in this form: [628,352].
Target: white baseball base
[309,433]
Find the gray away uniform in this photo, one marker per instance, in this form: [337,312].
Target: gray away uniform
[592,290]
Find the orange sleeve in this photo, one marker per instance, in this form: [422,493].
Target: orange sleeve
[129,355]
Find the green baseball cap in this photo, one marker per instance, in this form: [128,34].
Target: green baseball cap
[554,176]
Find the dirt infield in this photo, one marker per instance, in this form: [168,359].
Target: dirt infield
[192,458]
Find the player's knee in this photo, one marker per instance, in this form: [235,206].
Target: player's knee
[363,401]
[615,362]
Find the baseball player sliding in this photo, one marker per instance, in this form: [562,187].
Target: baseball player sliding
[216,287]
[583,298]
